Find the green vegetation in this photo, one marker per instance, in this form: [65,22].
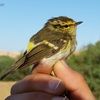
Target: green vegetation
[87,62]
[6,63]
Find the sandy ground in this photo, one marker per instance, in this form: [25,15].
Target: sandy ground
[5,89]
[10,54]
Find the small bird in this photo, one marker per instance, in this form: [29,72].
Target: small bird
[55,41]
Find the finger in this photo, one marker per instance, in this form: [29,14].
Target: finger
[34,96]
[42,68]
[40,83]
[74,82]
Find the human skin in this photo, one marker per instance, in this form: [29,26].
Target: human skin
[40,85]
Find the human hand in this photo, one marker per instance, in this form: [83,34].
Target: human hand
[41,86]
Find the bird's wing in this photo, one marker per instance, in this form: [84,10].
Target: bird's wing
[42,50]
[41,46]
[42,35]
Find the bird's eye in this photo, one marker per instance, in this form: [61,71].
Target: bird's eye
[66,26]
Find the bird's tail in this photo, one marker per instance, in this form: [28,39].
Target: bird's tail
[18,64]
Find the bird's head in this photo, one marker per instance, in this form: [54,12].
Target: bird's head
[62,24]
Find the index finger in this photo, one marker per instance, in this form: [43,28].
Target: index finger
[42,68]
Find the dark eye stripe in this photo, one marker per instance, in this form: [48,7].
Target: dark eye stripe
[58,25]
[61,26]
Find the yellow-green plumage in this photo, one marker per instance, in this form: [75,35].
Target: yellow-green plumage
[55,41]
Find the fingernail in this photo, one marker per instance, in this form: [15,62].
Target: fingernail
[54,84]
[60,98]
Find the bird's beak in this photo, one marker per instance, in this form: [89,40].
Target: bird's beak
[77,23]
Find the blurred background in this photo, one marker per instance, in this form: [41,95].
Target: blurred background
[20,19]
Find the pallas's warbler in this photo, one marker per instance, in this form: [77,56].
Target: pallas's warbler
[55,41]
